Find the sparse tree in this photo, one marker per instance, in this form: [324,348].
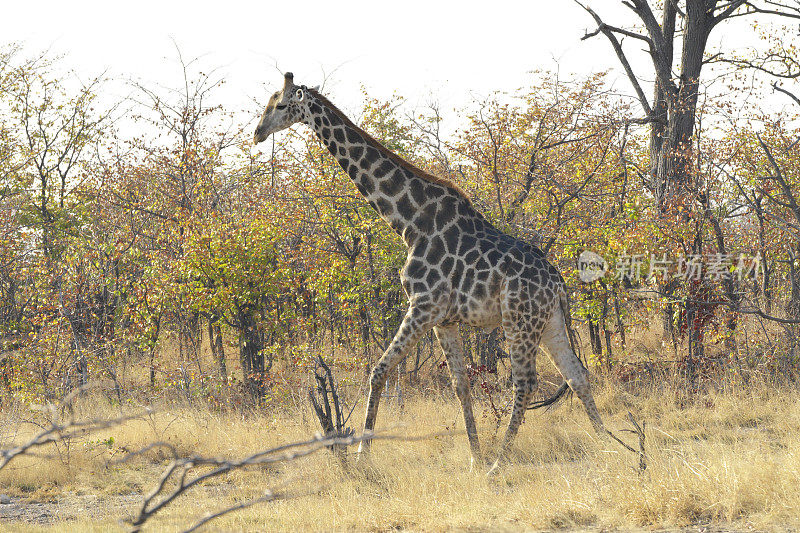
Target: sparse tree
[676,37]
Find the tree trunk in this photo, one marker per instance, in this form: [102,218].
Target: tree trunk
[217,350]
[401,371]
[620,322]
[594,339]
[733,296]
[492,349]
[793,305]
[672,144]
[660,110]
[251,355]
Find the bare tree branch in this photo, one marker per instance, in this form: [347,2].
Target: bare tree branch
[181,470]
[784,91]
[609,33]
[57,430]
[727,11]
[753,8]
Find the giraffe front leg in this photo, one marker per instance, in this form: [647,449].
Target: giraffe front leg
[524,387]
[415,324]
[454,352]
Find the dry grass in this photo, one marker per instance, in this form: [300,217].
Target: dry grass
[729,459]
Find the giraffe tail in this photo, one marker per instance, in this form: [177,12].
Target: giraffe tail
[555,398]
[564,390]
[573,338]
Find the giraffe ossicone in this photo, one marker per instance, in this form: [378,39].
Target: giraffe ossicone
[460,268]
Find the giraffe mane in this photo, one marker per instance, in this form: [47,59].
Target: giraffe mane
[427,176]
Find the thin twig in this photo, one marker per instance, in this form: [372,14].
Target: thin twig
[179,471]
[58,431]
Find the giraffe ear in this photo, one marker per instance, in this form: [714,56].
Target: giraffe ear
[299,95]
[315,88]
[288,83]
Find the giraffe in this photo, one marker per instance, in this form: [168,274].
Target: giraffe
[460,268]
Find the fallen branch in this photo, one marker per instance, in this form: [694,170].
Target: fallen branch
[58,430]
[180,470]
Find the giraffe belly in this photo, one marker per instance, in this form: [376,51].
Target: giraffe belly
[484,313]
[480,299]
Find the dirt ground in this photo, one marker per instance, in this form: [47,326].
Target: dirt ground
[64,508]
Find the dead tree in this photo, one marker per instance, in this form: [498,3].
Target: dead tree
[678,71]
[675,36]
[332,419]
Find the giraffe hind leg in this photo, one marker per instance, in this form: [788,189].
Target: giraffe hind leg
[524,389]
[557,343]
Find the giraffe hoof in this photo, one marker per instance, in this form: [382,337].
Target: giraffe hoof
[476,460]
[363,458]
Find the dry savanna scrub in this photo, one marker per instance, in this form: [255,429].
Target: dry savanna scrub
[729,460]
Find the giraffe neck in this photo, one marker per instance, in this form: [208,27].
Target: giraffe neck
[402,197]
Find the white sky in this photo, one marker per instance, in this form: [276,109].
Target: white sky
[452,52]
[417,48]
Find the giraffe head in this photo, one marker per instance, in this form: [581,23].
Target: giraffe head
[285,108]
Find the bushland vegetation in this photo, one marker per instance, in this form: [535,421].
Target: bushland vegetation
[190,273]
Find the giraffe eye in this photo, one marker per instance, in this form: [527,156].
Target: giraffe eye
[280,106]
